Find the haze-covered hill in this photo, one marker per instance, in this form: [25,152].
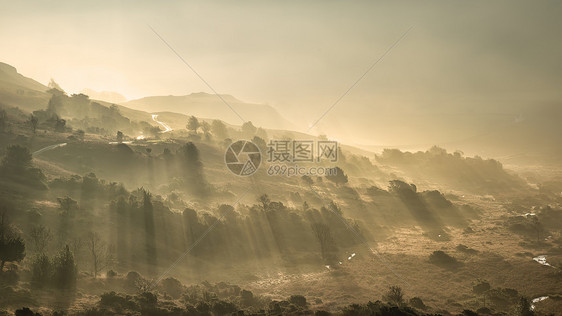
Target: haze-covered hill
[210,106]
[113,223]
[532,137]
[18,90]
[107,96]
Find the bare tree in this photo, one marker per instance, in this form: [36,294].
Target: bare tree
[394,295]
[40,237]
[327,244]
[537,226]
[99,253]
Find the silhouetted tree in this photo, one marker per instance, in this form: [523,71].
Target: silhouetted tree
[25,311]
[65,270]
[205,127]
[149,227]
[537,227]
[16,164]
[33,121]
[323,234]
[248,129]
[523,307]
[42,271]
[17,159]
[193,169]
[172,287]
[338,176]
[219,129]
[67,205]
[55,105]
[100,256]
[394,295]
[401,187]
[60,125]
[119,136]
[12,247]
[91,187]
[264,201]
[193,124]
[40,236]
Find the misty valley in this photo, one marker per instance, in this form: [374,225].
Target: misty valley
[97,220]
[214,158]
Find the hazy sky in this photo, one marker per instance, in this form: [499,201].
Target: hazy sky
[462,57]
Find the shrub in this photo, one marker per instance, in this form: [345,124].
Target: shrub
[298,300]
[42,271]
[523,308]
[394,295]
[442,259]
[224,308]
[65,270]
[117,301]
[246,298]
[203,308]
[147,299]
[132,279]
[465,249]
[417,303]
[26,312]
[172,287]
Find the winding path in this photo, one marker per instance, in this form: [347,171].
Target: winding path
[48,148]
[167,128]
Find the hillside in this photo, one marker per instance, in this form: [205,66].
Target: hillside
[18,90]
[118,224]
[210,106]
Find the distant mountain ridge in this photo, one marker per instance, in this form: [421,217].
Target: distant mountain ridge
[10,75]
[17,90]
[210,106]
[107,96]
[533,135]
